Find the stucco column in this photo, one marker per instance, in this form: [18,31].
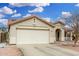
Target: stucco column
[66,36]
[52,36]
[62,35]
[71,36]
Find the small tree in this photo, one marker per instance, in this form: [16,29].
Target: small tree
[73,23]
[75,28]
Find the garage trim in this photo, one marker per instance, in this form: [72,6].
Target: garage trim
[33,28]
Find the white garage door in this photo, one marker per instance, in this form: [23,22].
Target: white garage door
[32,36]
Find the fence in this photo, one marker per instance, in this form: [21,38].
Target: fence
[3,37]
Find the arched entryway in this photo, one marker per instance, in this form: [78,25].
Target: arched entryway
[58,34]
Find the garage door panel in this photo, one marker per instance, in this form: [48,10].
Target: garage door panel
[32,36]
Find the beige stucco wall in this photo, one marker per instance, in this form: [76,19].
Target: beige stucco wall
[13,32]
[52,35]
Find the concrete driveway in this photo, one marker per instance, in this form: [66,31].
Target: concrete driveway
[46,50]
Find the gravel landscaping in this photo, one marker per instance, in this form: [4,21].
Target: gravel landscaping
[10,50]
[69,45]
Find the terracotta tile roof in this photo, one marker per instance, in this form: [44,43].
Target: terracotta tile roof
[11,22]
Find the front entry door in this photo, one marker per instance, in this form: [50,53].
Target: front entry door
[58,35]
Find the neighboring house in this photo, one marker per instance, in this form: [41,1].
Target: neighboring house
[34,30]
[69,34]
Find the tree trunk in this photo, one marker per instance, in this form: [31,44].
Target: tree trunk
[75,40]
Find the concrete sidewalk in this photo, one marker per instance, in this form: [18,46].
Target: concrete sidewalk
[46,50]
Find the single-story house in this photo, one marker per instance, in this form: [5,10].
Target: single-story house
[34,30]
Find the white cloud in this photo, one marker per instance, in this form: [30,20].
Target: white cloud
[1,15]
[1,10]
[66,14]
[7,10]
[14,11]
[47,19]
[39,6]
[62,20]
[66,26]
[18,4]
[77,5]
[26,15]
[37,9]
[30,4]
[4,21]
[16,15]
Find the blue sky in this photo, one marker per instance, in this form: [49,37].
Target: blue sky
[51,11]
